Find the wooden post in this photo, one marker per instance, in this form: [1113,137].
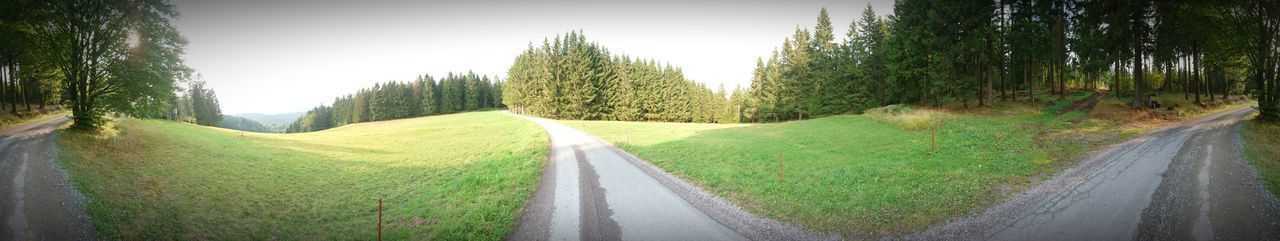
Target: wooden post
[379,218]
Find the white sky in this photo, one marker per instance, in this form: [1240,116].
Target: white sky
[286,56]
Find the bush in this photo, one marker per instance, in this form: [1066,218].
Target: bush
[907,118]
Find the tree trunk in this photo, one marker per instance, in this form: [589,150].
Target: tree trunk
[26,94]
[1031,84]
[13,89]
[1184,74]
[1138,83]
[1195,73]
[1168,78]
[4,82]
[991,75]
[1117,77]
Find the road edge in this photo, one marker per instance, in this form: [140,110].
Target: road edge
[961,227]
[79,202]
[727,213]
[534,222]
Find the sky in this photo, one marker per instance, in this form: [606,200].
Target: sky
[276,56]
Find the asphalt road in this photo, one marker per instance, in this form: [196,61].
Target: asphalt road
[38,201]
[598,195]
[1184,182]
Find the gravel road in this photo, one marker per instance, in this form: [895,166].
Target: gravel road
[592,190]
[1187,181]
[39,202]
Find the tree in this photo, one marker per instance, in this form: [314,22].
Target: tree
[198,104]
[1255,25]
[86,40]
[430,96]
[570,77]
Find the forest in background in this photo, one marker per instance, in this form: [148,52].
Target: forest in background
[935,52]
[571,78]
[394,100]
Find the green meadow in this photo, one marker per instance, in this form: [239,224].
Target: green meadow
[451,177]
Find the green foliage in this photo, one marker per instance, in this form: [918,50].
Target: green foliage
[570,78]
[935,52]
[197,105]
[87,42]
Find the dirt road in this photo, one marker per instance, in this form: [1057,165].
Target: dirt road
[592,190]
[38,201]
[1185,182]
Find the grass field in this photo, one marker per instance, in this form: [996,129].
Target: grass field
[1262,149]
[452,177]
[875,174]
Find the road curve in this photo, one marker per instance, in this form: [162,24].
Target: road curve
[38,201]
[1184,182]
[591,190]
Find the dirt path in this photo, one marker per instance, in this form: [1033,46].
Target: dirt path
[1185,182]
[38,201]
[592,190]
[1085,104]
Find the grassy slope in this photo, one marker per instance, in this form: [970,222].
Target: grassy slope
[462,176]
[861,177]
[1262,149]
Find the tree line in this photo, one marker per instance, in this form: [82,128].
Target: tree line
[198,105]
[93,56]
[571,78]
[933,52]
[394,100]
[243,124]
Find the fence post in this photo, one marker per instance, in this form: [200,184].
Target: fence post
[379,218]
[933,138]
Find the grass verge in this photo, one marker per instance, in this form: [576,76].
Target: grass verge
[452,177]
[865,176]
[1262,149]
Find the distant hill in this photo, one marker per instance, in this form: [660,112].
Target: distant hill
[241,123]
[271,122]
[285,118]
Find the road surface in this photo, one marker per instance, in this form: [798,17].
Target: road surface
[592,190]
[1184,182]
[38,201]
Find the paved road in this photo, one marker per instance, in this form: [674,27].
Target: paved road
[37,202]
[1184,182]
[597,194]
